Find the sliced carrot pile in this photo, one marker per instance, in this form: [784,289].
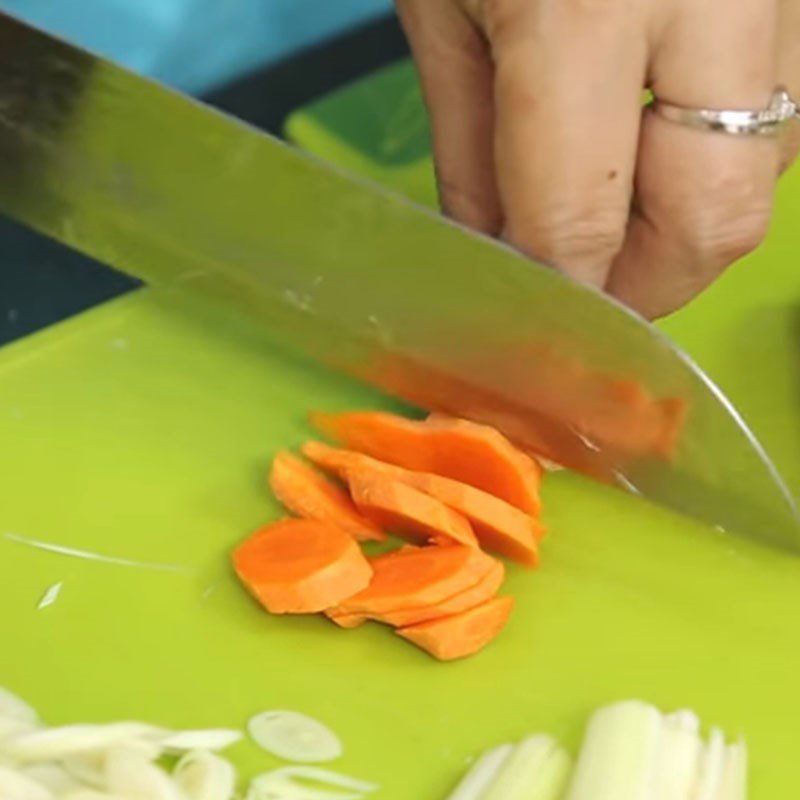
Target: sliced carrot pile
[308,494]
[406,511]
[450,487]
[338,461]
[485,589]
[301,566]
[462,634]
[453,448]
[422,576]
[499,526]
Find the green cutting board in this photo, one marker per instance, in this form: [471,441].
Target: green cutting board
[142,431]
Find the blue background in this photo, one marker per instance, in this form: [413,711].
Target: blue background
[196,44]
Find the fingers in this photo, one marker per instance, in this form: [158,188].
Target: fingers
[569,76]
[456,74]
[703,199]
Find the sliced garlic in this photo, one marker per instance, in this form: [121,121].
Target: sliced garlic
[52,776]
[13,707]
[211,739]
[16,786]
[202,775]
[294,736]
[53,743]
[89,768]
[292,783]
[133,776]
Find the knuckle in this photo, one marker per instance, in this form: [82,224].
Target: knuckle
[720,218]
[720,236]
[564,236]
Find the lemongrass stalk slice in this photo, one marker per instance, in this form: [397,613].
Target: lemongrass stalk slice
[16,708]
[481,774]
[734,773]
[89,768]
[678,757]
[54,743]
[293,736]
[9,727]
[132,776]
[53,777]
[307,783]
[90,794]
[16,786]
[617,758]
[202,775]
[712,763]
[537,769]
[212,739]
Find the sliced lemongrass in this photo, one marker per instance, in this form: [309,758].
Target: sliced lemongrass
[131,775]
[294,736]
[734,773]
[481,774]
[90,794]
[89,768]
[14,707]
[617,758]
[13,727]
[678,756]
[712,763]
[212,739]
[16,786]
[292,783]
[537,769]
[53,777]
[53,743]
[202,775]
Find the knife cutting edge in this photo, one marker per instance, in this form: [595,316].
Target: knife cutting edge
[160,186]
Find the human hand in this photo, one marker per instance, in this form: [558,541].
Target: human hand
[539,133]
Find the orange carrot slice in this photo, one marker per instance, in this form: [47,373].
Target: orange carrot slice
[462,634]
[484,590]
[419,576]
[406,511]
[300,566]
[308,494]
[337,461]
[345,620]
[453,448]
[499,526]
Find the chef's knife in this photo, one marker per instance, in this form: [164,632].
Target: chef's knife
[160,186]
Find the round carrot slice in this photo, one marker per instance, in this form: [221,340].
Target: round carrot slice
[307,493]
[418,576]
[300,566]
[462,634]
[406,511]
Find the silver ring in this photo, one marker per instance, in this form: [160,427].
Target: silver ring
[765,122]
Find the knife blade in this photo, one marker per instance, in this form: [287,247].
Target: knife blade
[158,185]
